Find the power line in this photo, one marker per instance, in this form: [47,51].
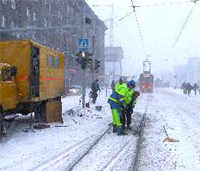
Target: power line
[184,24]
[160,4]
[169,3]
[139,30]
[181,31]
[126,16]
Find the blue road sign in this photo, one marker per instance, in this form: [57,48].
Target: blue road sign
[83,44]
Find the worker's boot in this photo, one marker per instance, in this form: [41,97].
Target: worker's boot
[123,127]
[114,128]
[128,127]
[120,131]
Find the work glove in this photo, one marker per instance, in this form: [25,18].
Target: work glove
[130,110]
[124,105]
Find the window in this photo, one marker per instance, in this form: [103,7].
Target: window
[44,39]
[50,61]
[45,22]
[33,36]
[34,16]
[49,23]
[6,75]
[3,21]
[13,4]
[12,25]
[56,62]
[5,1]
[68,9]
[49,7]
[59,14]
[28,12]
[53,61]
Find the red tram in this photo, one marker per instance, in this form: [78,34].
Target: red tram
[146,82]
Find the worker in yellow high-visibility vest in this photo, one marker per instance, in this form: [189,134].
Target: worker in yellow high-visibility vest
[117,101]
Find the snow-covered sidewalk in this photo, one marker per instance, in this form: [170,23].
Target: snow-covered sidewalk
[25,150]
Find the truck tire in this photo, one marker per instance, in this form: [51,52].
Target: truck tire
[40,112]
[1,123]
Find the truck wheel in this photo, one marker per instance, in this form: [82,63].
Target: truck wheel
[40,112]
[1,123]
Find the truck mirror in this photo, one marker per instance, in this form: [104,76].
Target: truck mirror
[13,71]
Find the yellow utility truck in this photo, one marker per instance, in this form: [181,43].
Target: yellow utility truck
[31,80]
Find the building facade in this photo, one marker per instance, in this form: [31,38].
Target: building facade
[113,57]
[57,24]
[190,72]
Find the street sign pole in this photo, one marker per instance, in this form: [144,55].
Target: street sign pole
[93,57]
[83,89]
[83,54]
[83,43]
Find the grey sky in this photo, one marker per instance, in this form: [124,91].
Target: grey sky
[160,25]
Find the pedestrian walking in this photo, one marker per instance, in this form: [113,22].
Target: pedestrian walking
[184,87]
[195,87]
[94,89]
[189,88]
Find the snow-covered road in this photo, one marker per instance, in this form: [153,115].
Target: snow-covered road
[55,147]
[179,114]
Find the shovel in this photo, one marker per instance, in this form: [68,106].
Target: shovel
[168,139]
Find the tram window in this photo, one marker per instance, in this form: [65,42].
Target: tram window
[6,75]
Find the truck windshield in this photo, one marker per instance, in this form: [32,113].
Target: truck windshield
[6,75]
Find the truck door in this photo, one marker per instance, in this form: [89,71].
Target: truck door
[8,89]
[35,72]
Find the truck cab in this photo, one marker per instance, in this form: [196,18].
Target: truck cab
[8,87]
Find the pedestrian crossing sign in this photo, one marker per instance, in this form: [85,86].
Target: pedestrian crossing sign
[83,44]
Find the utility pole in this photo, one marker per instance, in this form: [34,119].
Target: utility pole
[112,26]
[83,54]
[83,73]
[111,34]
[93,57]
[111,20]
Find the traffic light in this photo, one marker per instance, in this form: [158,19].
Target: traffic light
[97,64]
[84,59]
[90,63]
[88,21]
[84,63]
[79,60]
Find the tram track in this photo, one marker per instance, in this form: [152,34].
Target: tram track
[116,161]
[88,150]
[70,155]
[71,158]
[140,135]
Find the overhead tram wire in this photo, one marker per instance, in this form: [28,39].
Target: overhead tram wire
[169,3]
[184,24]
[182,28]
[139,30]
[127,15]
[160,4]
